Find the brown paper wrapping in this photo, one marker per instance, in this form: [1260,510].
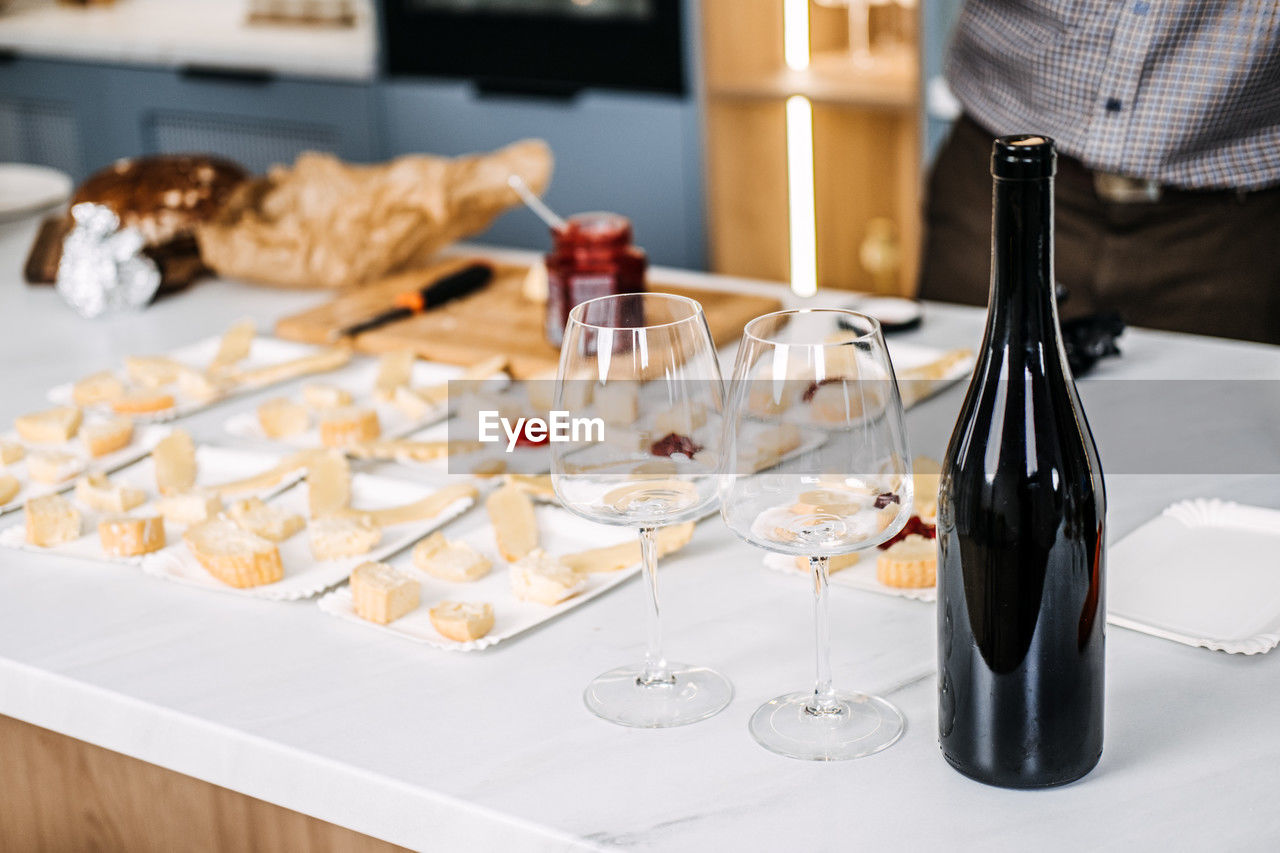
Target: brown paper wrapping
[325,223]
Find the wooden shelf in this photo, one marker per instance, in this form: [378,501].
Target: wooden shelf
[889,82]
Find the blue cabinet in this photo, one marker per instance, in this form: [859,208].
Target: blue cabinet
[639,155]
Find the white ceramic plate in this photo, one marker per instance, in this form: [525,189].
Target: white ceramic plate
[561,533]
[304,576]
[26,189]
[266,351]
[357,378]
[144,438]
[1204,573]
[214,466]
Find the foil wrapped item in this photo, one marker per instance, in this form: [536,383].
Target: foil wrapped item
[103,268]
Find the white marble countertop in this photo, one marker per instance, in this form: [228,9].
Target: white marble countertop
[494,750]
[175,33]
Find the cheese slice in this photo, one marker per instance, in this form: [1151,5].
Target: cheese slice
[542,579]
[394,371]
[175,463]
[142,401]
[613,558]
[9,488]
[328,484]
[53,466]
[125,536]
[234,346]
[51,426]
[96,492]
[11,452]
[51,520]
[317,395]
[449,561]
[462,621]
[515,525]
[233,555]
[190,507]
[381,594]
[103,387]
[267,521]
[108,436]
[348,425]
[280,417]
[335,538]
[152,371]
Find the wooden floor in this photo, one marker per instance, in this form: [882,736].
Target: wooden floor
[61,794]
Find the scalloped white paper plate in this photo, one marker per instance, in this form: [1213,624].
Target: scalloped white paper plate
[560,532]
[304,576]
[144,438]
[1203,572]
[358,378]
[265,351]
[861,575]
[214,466]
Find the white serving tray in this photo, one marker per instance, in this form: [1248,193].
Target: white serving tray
[1203,572]
[356,377]
[861,575]
[561,533]
[304,576]
[214,466]
[144,438]
[265,351]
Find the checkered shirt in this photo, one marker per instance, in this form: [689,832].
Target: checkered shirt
[1183,92]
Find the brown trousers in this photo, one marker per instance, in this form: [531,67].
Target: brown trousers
[1201,262]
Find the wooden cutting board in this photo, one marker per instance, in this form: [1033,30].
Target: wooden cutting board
[497,320]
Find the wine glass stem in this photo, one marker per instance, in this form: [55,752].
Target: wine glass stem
[823,701]
[655,665]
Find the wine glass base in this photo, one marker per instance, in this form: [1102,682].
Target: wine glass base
[860,725]
[694,693]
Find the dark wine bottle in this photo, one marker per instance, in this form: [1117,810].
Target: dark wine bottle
[1021,521]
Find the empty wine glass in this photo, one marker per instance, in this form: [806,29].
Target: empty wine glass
[816,467]
[644,364]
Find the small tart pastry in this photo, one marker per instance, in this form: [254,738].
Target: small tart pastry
[543,579]
[909,564]
[449,561]
[462,621]
[348,425]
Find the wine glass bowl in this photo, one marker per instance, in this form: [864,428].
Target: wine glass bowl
[645,366]
[843,487]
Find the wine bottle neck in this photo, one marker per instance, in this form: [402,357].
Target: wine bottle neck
[1022,304]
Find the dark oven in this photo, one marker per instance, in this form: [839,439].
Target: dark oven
[551,47]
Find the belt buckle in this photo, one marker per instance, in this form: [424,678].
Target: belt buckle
[1121,189]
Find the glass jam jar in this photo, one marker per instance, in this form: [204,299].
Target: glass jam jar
[591,256]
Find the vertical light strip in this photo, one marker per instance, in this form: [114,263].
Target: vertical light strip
[795,34]
[801,210]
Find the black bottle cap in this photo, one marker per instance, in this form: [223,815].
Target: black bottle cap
[1025,157]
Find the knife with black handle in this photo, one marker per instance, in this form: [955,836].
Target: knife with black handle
[410,302]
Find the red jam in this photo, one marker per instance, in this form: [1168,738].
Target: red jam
[673,443]
[913,525]
[591,256]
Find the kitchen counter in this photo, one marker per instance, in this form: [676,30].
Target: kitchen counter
[188,33]
[495,750]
